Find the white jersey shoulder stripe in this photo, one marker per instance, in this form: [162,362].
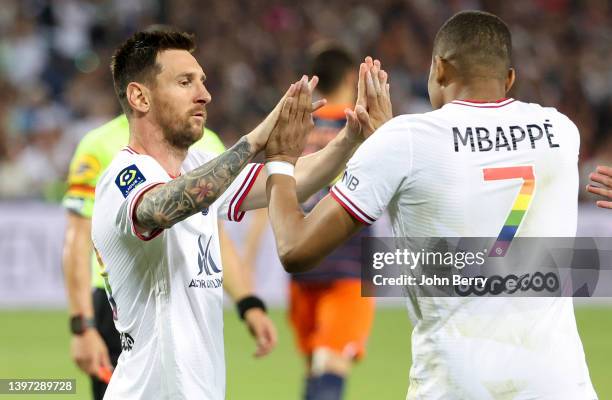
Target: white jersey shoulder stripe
[350,207]
[233,212]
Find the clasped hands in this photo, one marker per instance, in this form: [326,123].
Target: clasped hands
[293,119]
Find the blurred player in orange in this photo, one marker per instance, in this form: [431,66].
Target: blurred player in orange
[330,319]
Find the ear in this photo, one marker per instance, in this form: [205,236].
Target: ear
[510,79]
[440,69]
[138,97]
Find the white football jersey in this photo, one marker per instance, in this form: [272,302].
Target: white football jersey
[165,287]
[460,171]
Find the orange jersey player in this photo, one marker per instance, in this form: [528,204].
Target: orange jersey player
[330,318]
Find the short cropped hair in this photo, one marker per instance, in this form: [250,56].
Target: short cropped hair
[478,42]
[331,63]
[135,59]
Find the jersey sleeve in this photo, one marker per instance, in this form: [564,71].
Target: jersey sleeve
[228,204]
[85,169]
[375,173]
[125,186]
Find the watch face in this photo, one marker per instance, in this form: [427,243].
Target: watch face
[77,325]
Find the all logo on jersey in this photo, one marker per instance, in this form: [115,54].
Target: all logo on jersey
[128,179]
[208,270]
[205,260]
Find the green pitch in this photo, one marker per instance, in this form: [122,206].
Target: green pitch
[34,344]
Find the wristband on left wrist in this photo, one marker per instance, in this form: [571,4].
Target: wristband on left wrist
[247,303]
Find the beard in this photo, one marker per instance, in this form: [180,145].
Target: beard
[179,132]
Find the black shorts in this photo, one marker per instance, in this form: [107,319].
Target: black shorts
[106,327]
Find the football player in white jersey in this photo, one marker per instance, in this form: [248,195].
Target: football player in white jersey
[603,178]
[456,172]
[154,224]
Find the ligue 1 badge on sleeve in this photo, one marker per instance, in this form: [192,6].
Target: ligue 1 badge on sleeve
[128,179]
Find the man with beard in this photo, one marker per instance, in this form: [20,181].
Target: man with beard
[95,344]
[154,223]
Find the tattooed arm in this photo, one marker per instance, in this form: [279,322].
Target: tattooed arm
[172,202]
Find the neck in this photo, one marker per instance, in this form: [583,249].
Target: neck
[148,138]
[485,90]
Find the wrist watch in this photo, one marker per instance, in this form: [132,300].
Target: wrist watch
[79,324]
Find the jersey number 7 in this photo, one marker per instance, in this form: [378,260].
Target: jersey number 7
[519,207]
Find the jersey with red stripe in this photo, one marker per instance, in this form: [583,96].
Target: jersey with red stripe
[460,171]
[345,261]
[165,286]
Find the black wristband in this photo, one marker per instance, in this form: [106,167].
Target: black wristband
[248,302]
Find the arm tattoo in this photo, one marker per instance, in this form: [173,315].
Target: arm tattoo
[187,195]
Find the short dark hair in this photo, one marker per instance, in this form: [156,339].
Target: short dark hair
[478,42]
[331,63]
[135,59]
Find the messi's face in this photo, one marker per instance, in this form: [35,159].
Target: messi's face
[179,98]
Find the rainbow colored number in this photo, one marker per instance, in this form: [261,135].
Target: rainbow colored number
[519,208]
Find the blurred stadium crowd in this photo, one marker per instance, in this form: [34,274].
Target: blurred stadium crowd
[55,83]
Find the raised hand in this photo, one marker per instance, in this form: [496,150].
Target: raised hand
[262,132]
[602,176]
[373,106]
[286,143]
[260,135]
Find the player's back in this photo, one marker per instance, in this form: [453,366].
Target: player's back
[500,170]
[473,164]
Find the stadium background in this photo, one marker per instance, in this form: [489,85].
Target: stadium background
[55,85]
